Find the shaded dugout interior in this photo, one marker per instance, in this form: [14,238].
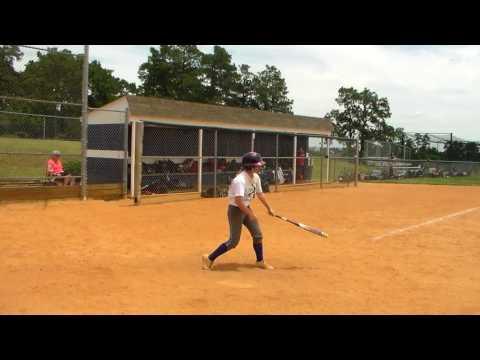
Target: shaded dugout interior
[171,139]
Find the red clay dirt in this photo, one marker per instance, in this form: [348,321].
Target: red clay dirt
[96,257]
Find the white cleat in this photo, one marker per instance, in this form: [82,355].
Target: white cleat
[206,263]
[264,265]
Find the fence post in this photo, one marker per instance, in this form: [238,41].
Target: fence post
[200,159]
[294,159]
[276,162]
[356,162]
[334,168]
[138,161]
[252,148]
[321,169]
[328,159]
[125,155]
[84,123]
[133,163]
[215,155]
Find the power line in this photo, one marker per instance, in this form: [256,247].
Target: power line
[439,138]
[15,98]
[39,115]
[35,48]
[45,50]
[39,101]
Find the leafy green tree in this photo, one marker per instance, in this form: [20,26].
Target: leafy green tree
[401,138]
[410,144]
[219,77]
[455,151]
[399,135]
[9,83]
[471,152]
[388,133]
[104,87]
[362,114]
[271,91]
[183,72]
[173,71]
[8,76]
[57,76]
[244,88]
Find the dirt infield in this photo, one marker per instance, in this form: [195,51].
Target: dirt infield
[393,249]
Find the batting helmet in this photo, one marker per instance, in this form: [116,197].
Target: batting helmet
[252,159]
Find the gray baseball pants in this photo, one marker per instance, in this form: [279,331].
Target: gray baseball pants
[236,219]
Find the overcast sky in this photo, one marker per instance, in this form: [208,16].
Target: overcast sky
[430,88]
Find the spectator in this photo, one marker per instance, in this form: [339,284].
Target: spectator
[187,164]
[222,165]
[194,168]
[210,166]
[191,166]
[55,170]
[300,164]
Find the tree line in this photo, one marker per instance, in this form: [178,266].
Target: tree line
[179,72]
[364,115]
[184,72]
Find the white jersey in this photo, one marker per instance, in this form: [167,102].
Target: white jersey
[243,185]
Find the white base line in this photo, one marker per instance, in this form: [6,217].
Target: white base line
[398,231]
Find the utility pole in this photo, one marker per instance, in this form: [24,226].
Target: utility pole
[84,122]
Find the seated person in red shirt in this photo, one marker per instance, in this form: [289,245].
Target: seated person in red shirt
[222,165]
[190,166]
[55,169]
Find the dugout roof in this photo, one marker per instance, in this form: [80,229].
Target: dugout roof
[160,110]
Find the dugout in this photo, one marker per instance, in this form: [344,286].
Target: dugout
[176,133]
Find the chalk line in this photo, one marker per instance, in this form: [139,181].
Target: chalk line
[429,222]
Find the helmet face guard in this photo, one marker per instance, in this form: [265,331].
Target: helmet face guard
[252,159]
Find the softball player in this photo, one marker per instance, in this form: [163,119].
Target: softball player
[242,190]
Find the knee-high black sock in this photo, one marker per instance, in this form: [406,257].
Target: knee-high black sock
[258,251]
[219,251]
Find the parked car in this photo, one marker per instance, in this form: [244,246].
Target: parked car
[376,175]
[415,172]
[401,173]
[433,172]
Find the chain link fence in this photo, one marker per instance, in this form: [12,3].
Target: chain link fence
[29,133]
[385,150]
[223,150]
[30,130]
[170,160]
[174,159]
[420,171]
[343,153]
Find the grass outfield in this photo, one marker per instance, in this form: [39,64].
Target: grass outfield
[337,167]
[28,165]
[38,145]
[457,180]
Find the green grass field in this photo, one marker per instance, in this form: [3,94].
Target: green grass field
[342,166]
[337,167]
[35,152]
[38,146]
[457,180]
[34,155]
